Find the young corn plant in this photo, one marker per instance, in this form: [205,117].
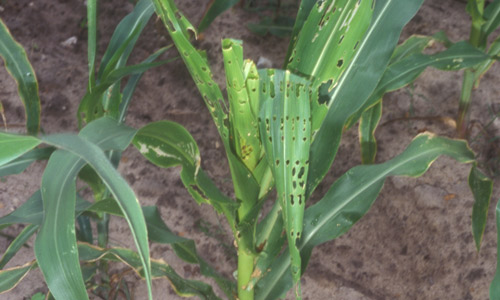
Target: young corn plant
[68,255]
[282,129]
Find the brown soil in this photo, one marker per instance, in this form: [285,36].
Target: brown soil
[416,241]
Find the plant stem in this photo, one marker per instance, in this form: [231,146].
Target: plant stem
[245,256]
[245,269]
[464,104]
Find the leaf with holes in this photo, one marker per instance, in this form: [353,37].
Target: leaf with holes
[285,126]
[351,196]
[329,39]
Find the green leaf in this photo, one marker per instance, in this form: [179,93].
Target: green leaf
[91,40]
[285,126]
[367,126]
[365,70]
[459,56]
[125,37]
[19,67]
[168,144]
[17,243]
[132,82]
[179,27]
[31,211]
[412,45]
[13,146]
[271,240]
[38,296]
[56,241]
[159,269]
[280,26]
[492,17]
[352,195]
[9,278]
[109,88]
[242,118]
[120,46]
[483,67]
[214,9]
[495,284]
[304,10]
[482,188]
[20,164]
[329,39]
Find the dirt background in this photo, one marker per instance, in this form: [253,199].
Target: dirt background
[416,241]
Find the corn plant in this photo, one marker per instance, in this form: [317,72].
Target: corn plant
[52,212]
[280,129]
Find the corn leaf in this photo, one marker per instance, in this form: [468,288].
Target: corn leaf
[413,45]
[495,283]
[19,67]
[351,196]
[214,9]
[17,243]
[280,26]
[459,56]
[482,188]
[168,144]
[55,247]
[91,40]
[329,39]
[9,278]
[31,211]
[179,27]
[13,146]
[246,186]
[365,70]
[367,126]
[302,14]
[285,126]
[492,17]
[120,46]
[243,119]
[20,164]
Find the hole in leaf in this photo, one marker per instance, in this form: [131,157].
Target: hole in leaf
[277,162]
[341,39]
[340,63]
[291,200]
[287,162]
[294,183]
[301,172]
[297,162]
[356,45]
[300,199]
[270,139]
